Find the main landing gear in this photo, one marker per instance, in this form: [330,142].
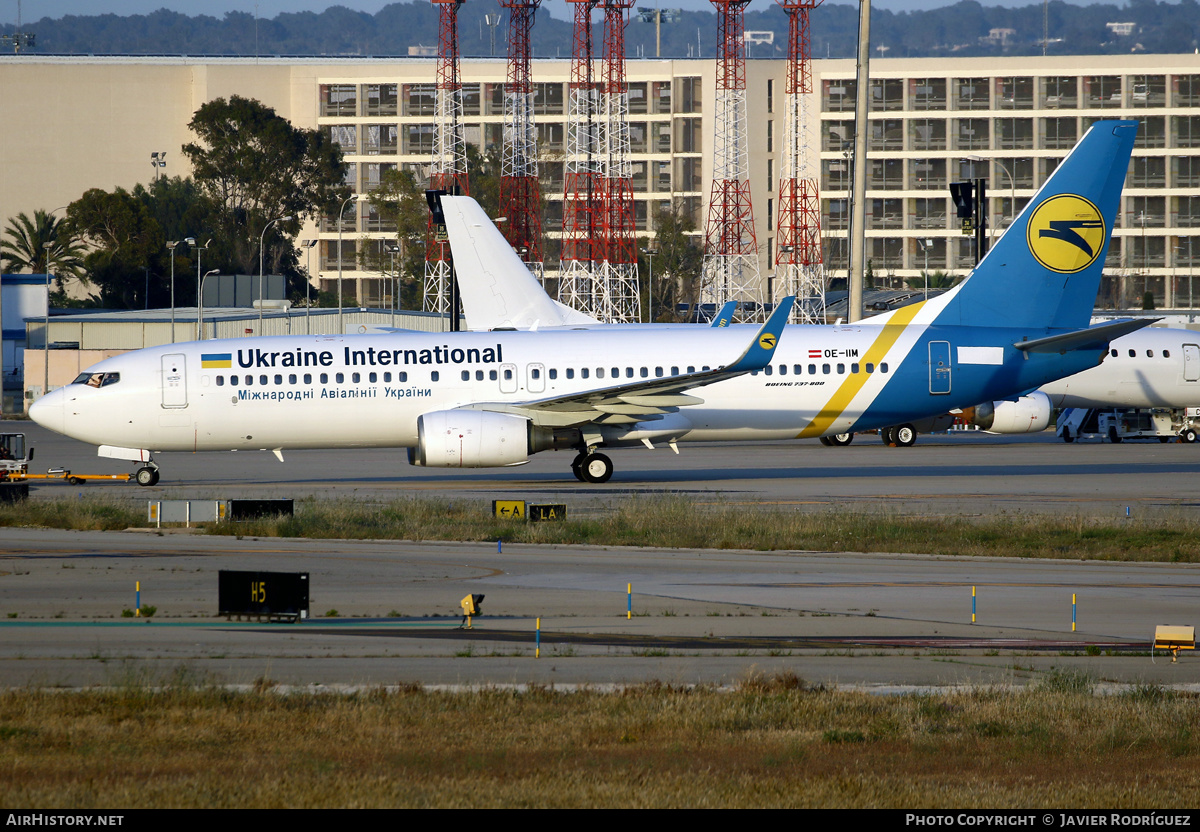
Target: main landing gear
[589,466]
[903,436]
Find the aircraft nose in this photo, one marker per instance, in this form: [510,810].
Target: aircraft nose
[49,411]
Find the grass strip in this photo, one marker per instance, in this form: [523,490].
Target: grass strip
[683,523]
[769,742]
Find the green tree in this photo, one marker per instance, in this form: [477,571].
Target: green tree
[937,280]
[126,245]
[42,244]
[678,262]
[256,167]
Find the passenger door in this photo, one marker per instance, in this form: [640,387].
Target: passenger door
[174,381]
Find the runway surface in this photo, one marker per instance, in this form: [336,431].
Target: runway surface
[699,616]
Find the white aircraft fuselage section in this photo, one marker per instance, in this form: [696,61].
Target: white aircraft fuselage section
[1150,368]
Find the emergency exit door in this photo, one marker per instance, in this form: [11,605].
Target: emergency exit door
[174,381]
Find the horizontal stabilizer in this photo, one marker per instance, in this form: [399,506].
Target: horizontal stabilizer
[1093,338]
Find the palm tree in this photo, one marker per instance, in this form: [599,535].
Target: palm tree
[42,245]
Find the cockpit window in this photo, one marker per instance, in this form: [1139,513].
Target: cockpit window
[97,379]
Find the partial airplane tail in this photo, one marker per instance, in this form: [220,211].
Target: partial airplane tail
[501,292]
[1045,271]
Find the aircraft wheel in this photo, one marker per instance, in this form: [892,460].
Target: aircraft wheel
[905,435]
[841,440]
[824,440]
[577,467]
[1066,436]
[146,476]
[888,436]
[1113,436]
[75,481]
[596,468]
[1189,435]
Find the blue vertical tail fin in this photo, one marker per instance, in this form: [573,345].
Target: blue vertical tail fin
[1045,270]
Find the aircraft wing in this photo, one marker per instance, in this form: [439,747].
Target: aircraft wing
[646,399]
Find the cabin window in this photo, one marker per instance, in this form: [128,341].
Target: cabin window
[324,378]
[262,379]
[841,369]
[570,372]
[387,378]
[1149,353]
[797,369]
[491,375]
[1114,353]
[825,369]
[373,377]
[220,381]
[812,369]
[479,375]
[308,378]
[1132,354]
[768,370]
[355,378]
[644,372]
[783,369]
[339,378]
[870,369]
[704,368]
[628,372]
[854,368]
[402,376]
[435,376]
[691,369]
[466,375]
[674,371]
[658,372]
[553,374]
[279,378]
[1166,353]
[508,375]
[883,368]
[583,373]
[534,372]
[249,381]
[599,372]
[292,378]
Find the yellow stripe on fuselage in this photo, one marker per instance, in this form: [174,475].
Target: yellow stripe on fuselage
[845,394]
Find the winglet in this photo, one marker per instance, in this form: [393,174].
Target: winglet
[762,348]
[724,315]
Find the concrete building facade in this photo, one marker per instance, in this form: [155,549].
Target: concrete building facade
[73,123]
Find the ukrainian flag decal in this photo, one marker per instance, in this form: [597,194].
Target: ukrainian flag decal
[216,360]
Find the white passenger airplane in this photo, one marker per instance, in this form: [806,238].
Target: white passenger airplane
[492,399]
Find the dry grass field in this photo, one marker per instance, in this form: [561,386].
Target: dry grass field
[680,523]
[769,742]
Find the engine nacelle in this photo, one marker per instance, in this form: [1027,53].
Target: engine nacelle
[470,439]
[1028,414]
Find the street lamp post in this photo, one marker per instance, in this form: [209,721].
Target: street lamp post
[650,251]
[308,244]
[342,210]
[393,250]
[200,305]
[199,285]
[261,260]
[925,246]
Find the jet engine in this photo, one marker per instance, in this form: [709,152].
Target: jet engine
[470,439]
[1028,414]
[465,438]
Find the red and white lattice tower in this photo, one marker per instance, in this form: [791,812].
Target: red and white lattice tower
[449,169]
[582,196]
[520,193]
[621,299]
[731,270]
[799,268]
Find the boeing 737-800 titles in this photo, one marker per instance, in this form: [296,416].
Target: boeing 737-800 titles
[481,399]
